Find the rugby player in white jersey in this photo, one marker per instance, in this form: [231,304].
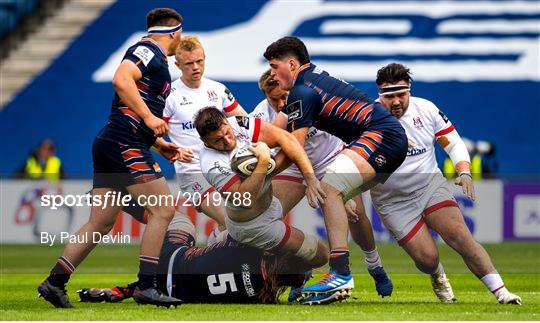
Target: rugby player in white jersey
[417,197]
[321,148]
[254,215]
[189,94]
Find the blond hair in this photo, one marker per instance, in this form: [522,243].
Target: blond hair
[188,44]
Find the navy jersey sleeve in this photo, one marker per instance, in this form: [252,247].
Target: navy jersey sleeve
[143,56]
[303,104]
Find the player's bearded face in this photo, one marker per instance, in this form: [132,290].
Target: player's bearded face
[282,72]
[396,103]
[222,139]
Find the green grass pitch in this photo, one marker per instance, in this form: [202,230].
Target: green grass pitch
[24,266]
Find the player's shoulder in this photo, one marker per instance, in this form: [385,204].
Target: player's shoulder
[261,110]
[145,51]
[301,90]
[239,122]
[424,106]
[176,86]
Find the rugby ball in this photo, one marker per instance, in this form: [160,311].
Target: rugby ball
[244,162]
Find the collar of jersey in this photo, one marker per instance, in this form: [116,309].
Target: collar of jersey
[301,71]
[155,43]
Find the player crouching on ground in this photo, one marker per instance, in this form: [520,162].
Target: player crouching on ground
[225,272]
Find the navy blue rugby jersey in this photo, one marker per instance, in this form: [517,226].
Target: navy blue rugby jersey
[154,87]
[333,105]
[226,272]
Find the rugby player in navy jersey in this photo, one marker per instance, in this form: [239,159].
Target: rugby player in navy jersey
[225,272]
[123,162]
[377,145]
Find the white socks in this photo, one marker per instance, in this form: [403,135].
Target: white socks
[493,282]
[372,259]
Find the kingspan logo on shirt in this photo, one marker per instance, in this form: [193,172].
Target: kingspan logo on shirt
[188,125]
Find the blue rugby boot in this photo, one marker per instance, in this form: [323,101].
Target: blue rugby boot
[330,282]
[383,284]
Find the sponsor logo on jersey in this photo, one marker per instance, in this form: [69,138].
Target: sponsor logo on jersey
[188,125]
[259,115]
[380,160]
[230,96]
[185,101]
[294,111]
[312,133]
[212,96]
[222,169]
[144,54]
[196,187]
[415,151]
[417,123]
[246,277]
[443,116]
[243,121]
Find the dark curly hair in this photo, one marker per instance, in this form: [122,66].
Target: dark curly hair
[286,47]
[162,17]
[283,271]
[209,119]
[393,73]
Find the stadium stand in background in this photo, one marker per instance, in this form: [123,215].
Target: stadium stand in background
[34,32]
[482,73]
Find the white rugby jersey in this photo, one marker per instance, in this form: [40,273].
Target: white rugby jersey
[182,105]
[216,165]
[320,146]
[424,123]
[264,111]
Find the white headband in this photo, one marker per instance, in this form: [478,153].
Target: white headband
[164,29]
[391,89]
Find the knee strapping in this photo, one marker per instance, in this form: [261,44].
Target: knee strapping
[308,249]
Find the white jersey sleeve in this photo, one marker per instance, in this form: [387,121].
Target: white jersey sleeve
[216,168]
[245,128]
[228,100]
[264,111]
[441,124]
[169,109]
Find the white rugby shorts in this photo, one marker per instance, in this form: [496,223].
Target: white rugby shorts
[405,218]
[265,232]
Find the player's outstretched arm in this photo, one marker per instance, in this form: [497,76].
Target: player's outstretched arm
[238,111]
[124,84]
[294,150]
